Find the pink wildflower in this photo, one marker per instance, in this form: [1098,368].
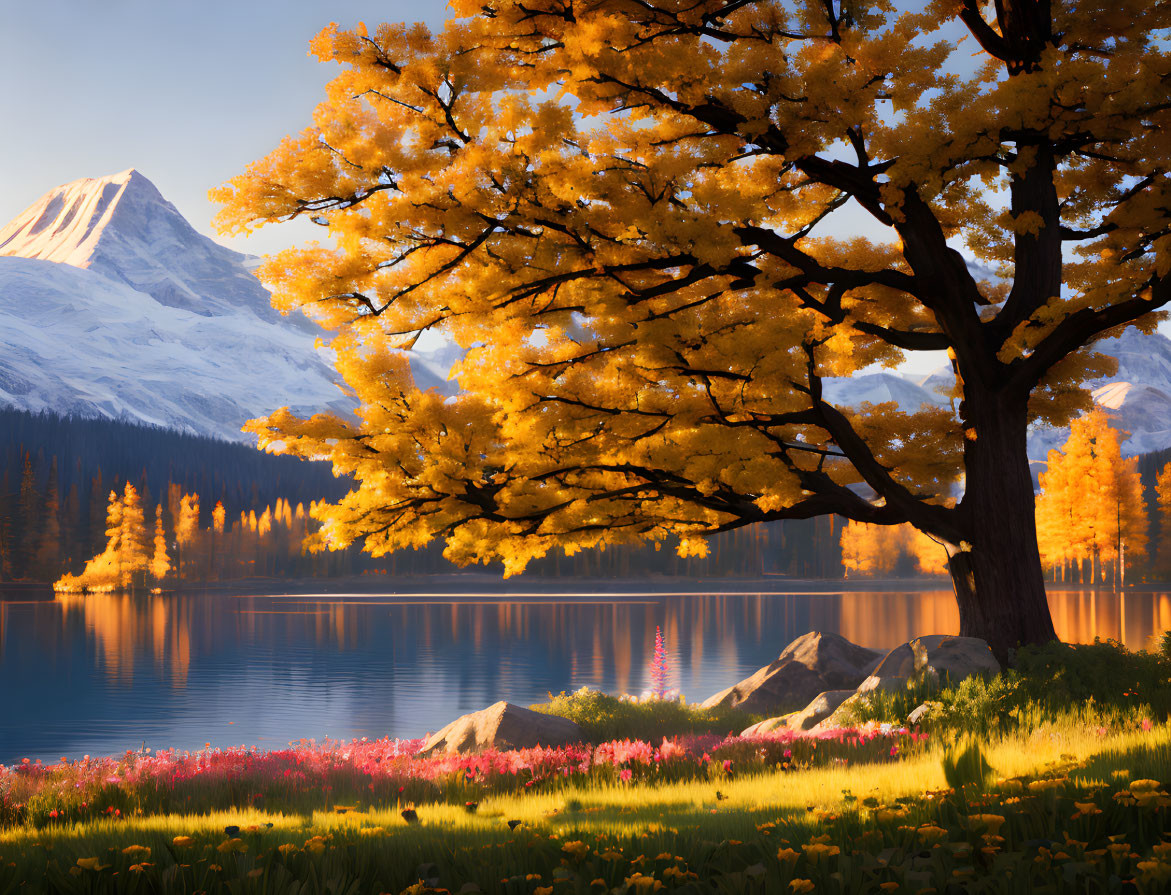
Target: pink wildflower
[659,667]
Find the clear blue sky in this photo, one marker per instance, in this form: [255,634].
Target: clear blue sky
[187,91]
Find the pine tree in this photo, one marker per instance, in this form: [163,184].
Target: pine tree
[96,511]
[134,556]
[1091,505]
[160,563]
[47,564]
[186,530]
[28,517]
[1163,498]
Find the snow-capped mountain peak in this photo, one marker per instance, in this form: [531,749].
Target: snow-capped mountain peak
[113,305]
[121,227]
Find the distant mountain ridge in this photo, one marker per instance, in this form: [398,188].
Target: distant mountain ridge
[122,228]
[113,306]
[1137,396]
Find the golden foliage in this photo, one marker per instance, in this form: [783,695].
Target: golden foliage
[625,217]
[160,563]
[877,550]
[1091,503]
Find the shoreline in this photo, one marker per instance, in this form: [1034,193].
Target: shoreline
[489,585]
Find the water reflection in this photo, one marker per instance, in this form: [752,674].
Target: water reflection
[109,672]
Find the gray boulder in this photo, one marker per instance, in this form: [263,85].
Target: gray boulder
[920,714]
[822,706]
[504,726]
[939,658]
[810,665]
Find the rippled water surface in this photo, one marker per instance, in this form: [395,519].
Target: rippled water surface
[105,673]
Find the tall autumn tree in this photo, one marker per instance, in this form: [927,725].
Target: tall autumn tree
[1091,508]
[627,211]
[160,562]
[133,553]
[879,549]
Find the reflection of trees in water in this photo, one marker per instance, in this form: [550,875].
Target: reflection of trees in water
[564,643]
[290,666]
[123,627]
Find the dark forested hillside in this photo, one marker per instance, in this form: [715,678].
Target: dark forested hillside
[56,474]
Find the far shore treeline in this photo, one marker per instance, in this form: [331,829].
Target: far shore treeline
[57,473]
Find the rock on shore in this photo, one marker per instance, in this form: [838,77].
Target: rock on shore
[812,664]
[939,658]
[503,726]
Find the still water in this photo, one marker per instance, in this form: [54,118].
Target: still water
[106,673]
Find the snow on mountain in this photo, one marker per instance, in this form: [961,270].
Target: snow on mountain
[879,388]
[112,305]
[122,227]
[1137,397]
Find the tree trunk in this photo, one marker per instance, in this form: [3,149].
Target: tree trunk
[996,570]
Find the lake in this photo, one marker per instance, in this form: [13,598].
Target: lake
[104,673]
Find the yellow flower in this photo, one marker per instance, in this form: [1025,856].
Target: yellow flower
[1154,871]
[1042,785]
[316,844]
[664,856]
[801,885]
[543,890]
[611,855]
[785,855]
[598,882]
[182,841]
[257,873]
[90,864]
[991,821]
[819,850]
[1145,786]
[932,833]
[136,849]
[642,883]
[1086,809]
[886,815]
[888,886]
[231,845]
[576,849]
[214,867]
[286,847]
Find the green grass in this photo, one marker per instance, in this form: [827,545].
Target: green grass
[1098,685]
[604,717]
[727,832]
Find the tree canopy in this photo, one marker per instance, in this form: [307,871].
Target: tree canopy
[658,226]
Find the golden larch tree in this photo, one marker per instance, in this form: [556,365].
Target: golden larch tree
[636,217]
[160,562]
[1091,506]
[1163,500]
[133,554]
[186,529]
[877,550]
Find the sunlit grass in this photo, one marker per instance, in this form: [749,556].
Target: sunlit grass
[726,807]
[756,831]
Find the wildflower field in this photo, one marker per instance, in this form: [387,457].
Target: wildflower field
[1061,808]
